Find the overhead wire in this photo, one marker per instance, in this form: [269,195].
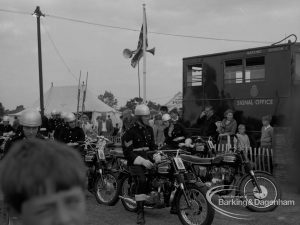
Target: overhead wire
[138,30]
[158,33]
[58,52]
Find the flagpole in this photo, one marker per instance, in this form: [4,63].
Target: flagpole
[139,79]
[144,51]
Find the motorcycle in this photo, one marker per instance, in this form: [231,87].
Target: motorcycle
[233,169]
[169,182]
[3,140]
[102,175]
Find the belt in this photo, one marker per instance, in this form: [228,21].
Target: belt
[140,149]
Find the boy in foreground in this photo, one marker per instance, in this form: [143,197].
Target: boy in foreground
[43,183]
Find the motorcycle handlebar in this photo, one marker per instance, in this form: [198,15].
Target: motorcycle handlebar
[102,137]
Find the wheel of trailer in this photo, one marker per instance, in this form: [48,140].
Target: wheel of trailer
[106,189]
[127,194]
[200,211]
[265,200]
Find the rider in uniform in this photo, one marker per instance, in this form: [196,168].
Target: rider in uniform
[71,133]
[174,132]
[30,120]
[136,142]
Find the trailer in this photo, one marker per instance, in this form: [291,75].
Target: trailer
[253,82]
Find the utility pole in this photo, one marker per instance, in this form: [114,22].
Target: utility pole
[38,14]
[144,52]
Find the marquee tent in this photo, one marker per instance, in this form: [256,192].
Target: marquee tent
[65,98]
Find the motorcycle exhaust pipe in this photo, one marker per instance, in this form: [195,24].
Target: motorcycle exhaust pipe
[129,200]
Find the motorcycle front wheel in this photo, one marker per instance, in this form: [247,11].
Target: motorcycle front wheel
[127,194]
[106,189]
[263,201]
[200,211]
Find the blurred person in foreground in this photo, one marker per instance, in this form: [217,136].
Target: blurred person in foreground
[43,183]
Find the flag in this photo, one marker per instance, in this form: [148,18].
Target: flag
[139,51]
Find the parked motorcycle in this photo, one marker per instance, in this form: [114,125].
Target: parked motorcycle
[231,170]
[170,182]
[102,178]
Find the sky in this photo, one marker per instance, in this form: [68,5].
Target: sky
[98,50]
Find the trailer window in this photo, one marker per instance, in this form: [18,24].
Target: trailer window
[297,69]
[233,71]
[194,75]
[255,69]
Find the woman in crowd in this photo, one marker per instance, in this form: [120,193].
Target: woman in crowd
[227,128]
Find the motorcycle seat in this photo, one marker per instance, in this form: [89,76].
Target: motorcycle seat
[117,153]
[196,160]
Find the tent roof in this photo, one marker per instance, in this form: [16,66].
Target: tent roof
[64,98]
[175,102]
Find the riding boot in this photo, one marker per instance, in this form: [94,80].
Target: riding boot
[140,213]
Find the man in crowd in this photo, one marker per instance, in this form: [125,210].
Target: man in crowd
[5,127]
[30,121]
[43,183]
[105,126]
[163,110]
[207,122]
[55,122]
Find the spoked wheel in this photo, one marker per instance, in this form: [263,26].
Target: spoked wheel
[127,194]
[4,216]
[200,211]
[265,200]
[106,189]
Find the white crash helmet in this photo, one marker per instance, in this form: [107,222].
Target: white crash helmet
[30,118]
[142,110]
[70,117]
[166,117]
[5,119]
[63,115]
[54,112]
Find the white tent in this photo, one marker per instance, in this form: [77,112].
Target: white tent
[175,102]
[65,99]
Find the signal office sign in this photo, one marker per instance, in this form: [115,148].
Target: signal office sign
[254,102]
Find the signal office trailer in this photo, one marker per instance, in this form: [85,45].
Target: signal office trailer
[253,82]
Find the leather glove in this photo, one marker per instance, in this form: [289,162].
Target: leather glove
[144,162]
[188,142]
[157,157]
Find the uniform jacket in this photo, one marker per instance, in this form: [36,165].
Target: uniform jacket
[137,136]
[72,135]
[178,131]
[17,137]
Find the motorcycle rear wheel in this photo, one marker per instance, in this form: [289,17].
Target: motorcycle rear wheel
[260,202]
[106,189]
[200,212]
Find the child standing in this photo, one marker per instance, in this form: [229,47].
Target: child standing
[266,133]
[242,141]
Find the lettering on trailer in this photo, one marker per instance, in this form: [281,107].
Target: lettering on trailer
[253,102]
